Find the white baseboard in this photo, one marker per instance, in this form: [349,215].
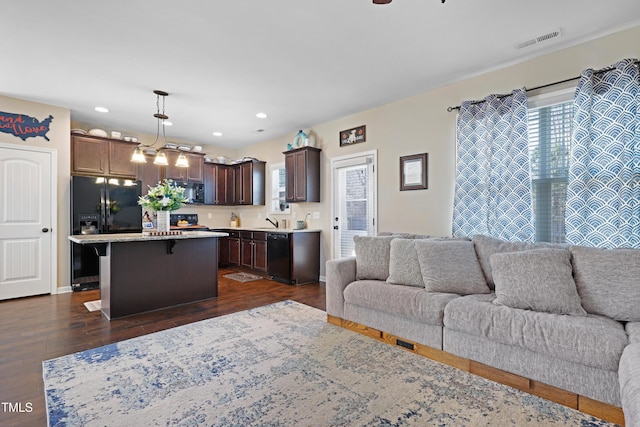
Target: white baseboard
[63,289]
[323,279]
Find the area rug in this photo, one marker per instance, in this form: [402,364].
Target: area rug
[93,305]
[242,277]
[278,365]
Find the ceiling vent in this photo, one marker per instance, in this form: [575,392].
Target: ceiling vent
[539,39]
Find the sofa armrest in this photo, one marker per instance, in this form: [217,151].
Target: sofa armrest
[629,377]
[339,273]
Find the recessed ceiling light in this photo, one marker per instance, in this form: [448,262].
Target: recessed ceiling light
[167,123]
[217,133]
[261,115]
[101,109]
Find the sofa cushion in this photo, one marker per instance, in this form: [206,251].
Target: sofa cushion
[538,280]
[406,301]
[372,257]
[486,246]
[450,266]
[608,281]
[633,332]
[590,340]
[404,268]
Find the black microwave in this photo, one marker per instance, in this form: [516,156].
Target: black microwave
[193,192]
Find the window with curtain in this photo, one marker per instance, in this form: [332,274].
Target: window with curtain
[603,191]
[493,186]
[549,145]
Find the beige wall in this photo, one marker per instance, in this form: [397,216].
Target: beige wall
[59,141]
[422,124]
[414,125]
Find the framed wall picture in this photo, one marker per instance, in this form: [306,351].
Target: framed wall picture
[353,136]
[413,172]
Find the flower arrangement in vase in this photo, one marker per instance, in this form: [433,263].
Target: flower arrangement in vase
[164,198]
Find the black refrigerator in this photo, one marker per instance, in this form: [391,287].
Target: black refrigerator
[100,205]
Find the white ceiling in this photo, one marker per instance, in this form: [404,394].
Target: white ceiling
[303,62]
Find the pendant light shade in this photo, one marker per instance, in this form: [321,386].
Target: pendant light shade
[182,161]
[138,156]
[161,159]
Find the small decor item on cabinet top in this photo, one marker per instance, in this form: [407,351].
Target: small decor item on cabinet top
[300,139]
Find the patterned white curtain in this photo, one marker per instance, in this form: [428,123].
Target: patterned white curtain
[493,184]
[603,192]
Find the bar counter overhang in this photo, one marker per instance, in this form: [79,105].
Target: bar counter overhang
[140,273]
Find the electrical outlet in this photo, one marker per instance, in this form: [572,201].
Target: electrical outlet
[259,215]
[316,215]
[209,215]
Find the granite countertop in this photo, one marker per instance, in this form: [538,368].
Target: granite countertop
[139,237]
[269,229]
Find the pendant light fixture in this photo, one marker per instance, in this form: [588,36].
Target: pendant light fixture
[161,158]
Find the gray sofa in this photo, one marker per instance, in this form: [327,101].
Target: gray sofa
[566,316]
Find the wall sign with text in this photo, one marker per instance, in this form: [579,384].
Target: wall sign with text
[353,136]
[24,126]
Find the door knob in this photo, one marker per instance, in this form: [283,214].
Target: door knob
[45,230]
[335,227]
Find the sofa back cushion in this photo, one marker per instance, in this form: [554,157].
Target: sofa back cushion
[404,267]
[608,281]
[486,246]
[372,257]
[450,266]
[537,280]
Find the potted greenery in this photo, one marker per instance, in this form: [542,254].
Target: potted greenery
[164,198]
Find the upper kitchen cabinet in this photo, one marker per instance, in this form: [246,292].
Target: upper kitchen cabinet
[302,167]
[249,182]
[219,188]
[91,155]
[195,171]
[149,173]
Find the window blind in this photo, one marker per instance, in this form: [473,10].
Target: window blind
[549,145]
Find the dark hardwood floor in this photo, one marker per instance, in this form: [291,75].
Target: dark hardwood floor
[44,327]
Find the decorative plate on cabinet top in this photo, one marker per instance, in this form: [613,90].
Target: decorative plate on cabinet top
[79,131]
[98,132]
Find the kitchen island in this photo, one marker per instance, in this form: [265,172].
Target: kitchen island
[140,273]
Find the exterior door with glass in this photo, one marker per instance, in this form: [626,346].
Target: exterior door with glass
[354,201]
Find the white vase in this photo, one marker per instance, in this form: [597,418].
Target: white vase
[162,220]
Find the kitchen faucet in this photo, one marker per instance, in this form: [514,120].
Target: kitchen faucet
[275,224]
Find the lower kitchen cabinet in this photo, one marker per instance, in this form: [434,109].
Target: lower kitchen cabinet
[253,250]
[234,248]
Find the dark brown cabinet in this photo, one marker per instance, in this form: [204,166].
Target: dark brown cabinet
[195,171]
[302,167]
[249,183]
[92,155]
[223,251]
[148,173]
[253,249]
[234,248]
[119,156]
[219,185]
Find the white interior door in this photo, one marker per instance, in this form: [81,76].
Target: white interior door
[27,190]
[354,201]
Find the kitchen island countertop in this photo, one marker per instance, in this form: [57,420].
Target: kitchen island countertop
[87,239]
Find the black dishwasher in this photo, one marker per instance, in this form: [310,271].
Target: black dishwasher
[278,257]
